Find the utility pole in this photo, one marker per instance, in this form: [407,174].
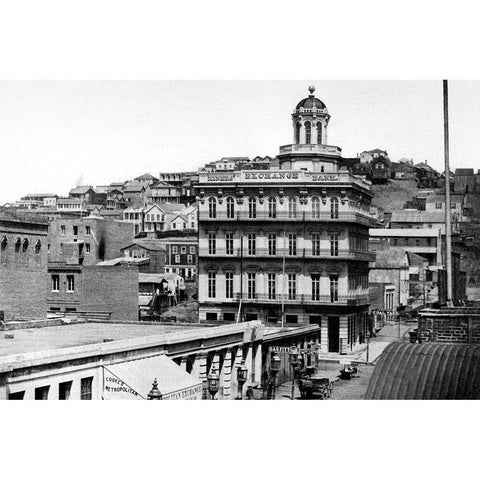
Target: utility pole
[448,221]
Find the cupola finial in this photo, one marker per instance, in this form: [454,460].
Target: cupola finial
[311,89]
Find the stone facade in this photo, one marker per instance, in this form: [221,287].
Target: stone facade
[288,246]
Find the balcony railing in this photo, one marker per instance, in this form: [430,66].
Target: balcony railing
[302,299]
[310,148]
[351,217]
[299,253]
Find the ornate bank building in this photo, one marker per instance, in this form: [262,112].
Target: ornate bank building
[289,246]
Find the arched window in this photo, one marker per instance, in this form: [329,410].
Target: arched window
[38,246]
[272,207]
[25,245]
[212,207]
[292,207]
[17,245]
[334,208]
[319,133]
[315,207]
[3,244]
[252,207]
[230,207]
[308,133]
[298,128]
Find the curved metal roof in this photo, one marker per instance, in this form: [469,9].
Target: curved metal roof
[428,371]
[310,102]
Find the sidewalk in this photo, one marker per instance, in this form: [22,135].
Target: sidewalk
[385,336]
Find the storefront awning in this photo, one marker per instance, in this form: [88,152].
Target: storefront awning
[133,380]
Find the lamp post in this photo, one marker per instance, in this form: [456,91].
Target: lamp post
[294,364]
[154,393]
[275,362]
[213,380]
[368,345]
[242,372]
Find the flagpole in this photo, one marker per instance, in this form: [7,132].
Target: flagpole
[448,221]
[283,276]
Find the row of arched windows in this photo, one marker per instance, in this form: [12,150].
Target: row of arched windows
[19,245]
[272,207]
[308,132]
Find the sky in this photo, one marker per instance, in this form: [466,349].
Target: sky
[53,134]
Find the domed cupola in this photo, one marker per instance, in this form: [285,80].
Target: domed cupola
[310,121]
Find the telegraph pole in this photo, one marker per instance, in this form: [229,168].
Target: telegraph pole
[448,221]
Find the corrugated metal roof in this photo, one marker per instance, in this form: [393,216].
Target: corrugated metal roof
[428,371]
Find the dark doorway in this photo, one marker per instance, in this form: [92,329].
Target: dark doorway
[316,319]
[333,334]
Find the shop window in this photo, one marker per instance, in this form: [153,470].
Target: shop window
[229,317]
[211,316]
[41,393]
[291,318]
[16,395]
[86,388]
[64,390]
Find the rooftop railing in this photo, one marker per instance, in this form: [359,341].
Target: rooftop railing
[310,148]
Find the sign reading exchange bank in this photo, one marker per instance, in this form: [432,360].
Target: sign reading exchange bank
[271,175]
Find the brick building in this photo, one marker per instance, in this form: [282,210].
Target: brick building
[90,239]
[23,267]
[289,245]
[94,289]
